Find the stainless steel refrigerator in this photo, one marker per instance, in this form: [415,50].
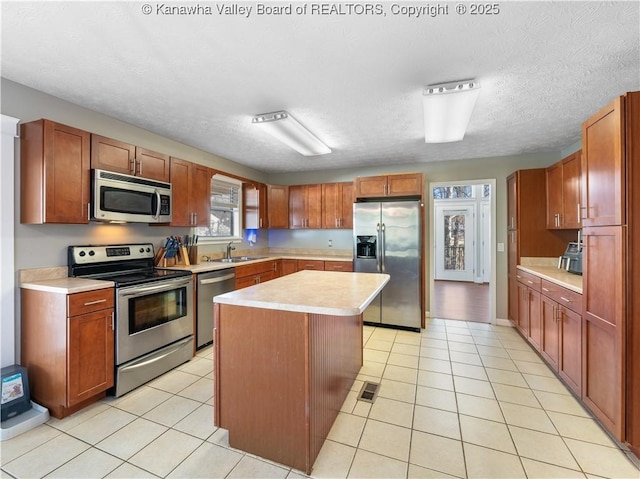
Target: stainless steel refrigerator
[386,238]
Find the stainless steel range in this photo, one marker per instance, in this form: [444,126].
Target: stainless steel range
[154,309]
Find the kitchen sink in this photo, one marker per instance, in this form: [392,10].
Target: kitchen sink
[237,259]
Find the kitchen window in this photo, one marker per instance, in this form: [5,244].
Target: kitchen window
[226,207]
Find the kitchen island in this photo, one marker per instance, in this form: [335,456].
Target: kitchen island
[286,354]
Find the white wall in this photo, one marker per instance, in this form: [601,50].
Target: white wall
[7,270]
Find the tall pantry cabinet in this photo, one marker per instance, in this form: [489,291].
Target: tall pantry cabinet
[611,267]
[528,236]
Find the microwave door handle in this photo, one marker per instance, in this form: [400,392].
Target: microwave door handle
[157,215]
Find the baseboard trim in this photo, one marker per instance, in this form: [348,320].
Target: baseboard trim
[503,322]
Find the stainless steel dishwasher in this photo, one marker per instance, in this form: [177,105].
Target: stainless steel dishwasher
[209,285]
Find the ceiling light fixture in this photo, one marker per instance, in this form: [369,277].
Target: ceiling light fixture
[285,128]
[447,110]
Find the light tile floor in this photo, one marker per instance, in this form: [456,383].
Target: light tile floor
[460,399]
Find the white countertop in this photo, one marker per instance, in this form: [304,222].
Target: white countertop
[321,292]
[557,276]
[67,285]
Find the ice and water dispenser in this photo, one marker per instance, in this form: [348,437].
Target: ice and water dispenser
[366,246]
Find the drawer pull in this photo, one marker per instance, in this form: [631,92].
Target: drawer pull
[530,282]
[97,301]
[545,289]
[566,300]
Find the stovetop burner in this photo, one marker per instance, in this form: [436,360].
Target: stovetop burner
[126,264]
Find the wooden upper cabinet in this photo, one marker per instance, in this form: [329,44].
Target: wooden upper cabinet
[112,155]
[150,164]
[254,204]
[120,157]
[54,176]
[278,206]
[512,201]
[603,166]
[406,184]
[554,195]
[563,193]
[200,192]
[305,206]
[572,191]
[337,205]
[191,193]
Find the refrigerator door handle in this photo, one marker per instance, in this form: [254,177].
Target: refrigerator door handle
[379,249]
[383,247]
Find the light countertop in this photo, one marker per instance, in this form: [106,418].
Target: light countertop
[557,276]
[320,292]
[216,265]
[67,285]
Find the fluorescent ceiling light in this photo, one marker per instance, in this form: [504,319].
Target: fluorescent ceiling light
[447,110]
[285,128]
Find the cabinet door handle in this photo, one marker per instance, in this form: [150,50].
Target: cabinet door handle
[579,213]
[260,223]
[132,168]
[97,301]
[113,324]
[140,167]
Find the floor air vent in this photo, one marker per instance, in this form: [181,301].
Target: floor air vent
[369,392]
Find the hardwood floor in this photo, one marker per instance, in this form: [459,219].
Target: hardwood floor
[460,300]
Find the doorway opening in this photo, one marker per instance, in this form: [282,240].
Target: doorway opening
[462,276]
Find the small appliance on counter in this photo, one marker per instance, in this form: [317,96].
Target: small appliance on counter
[571,260]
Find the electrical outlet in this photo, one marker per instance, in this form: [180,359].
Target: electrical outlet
[330,243]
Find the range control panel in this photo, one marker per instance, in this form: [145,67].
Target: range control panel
[88,254]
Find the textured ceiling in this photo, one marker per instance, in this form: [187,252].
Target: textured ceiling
[353,79]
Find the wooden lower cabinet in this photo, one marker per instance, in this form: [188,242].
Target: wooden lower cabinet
[523,309]
[535,329]
[346,266]
[562,333]
[289,266]
[68,347]
[312,264]
[550,347]
[281,378]
[255,273]
[570,365]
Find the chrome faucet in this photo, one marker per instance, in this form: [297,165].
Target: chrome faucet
[230,248]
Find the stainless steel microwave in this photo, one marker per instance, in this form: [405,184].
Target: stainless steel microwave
[124,198]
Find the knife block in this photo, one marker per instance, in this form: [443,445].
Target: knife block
[193,254]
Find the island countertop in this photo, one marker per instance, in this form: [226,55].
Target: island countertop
[320,292]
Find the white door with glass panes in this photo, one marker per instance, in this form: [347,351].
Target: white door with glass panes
[455,242]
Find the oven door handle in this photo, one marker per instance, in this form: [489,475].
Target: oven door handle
[165,286]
